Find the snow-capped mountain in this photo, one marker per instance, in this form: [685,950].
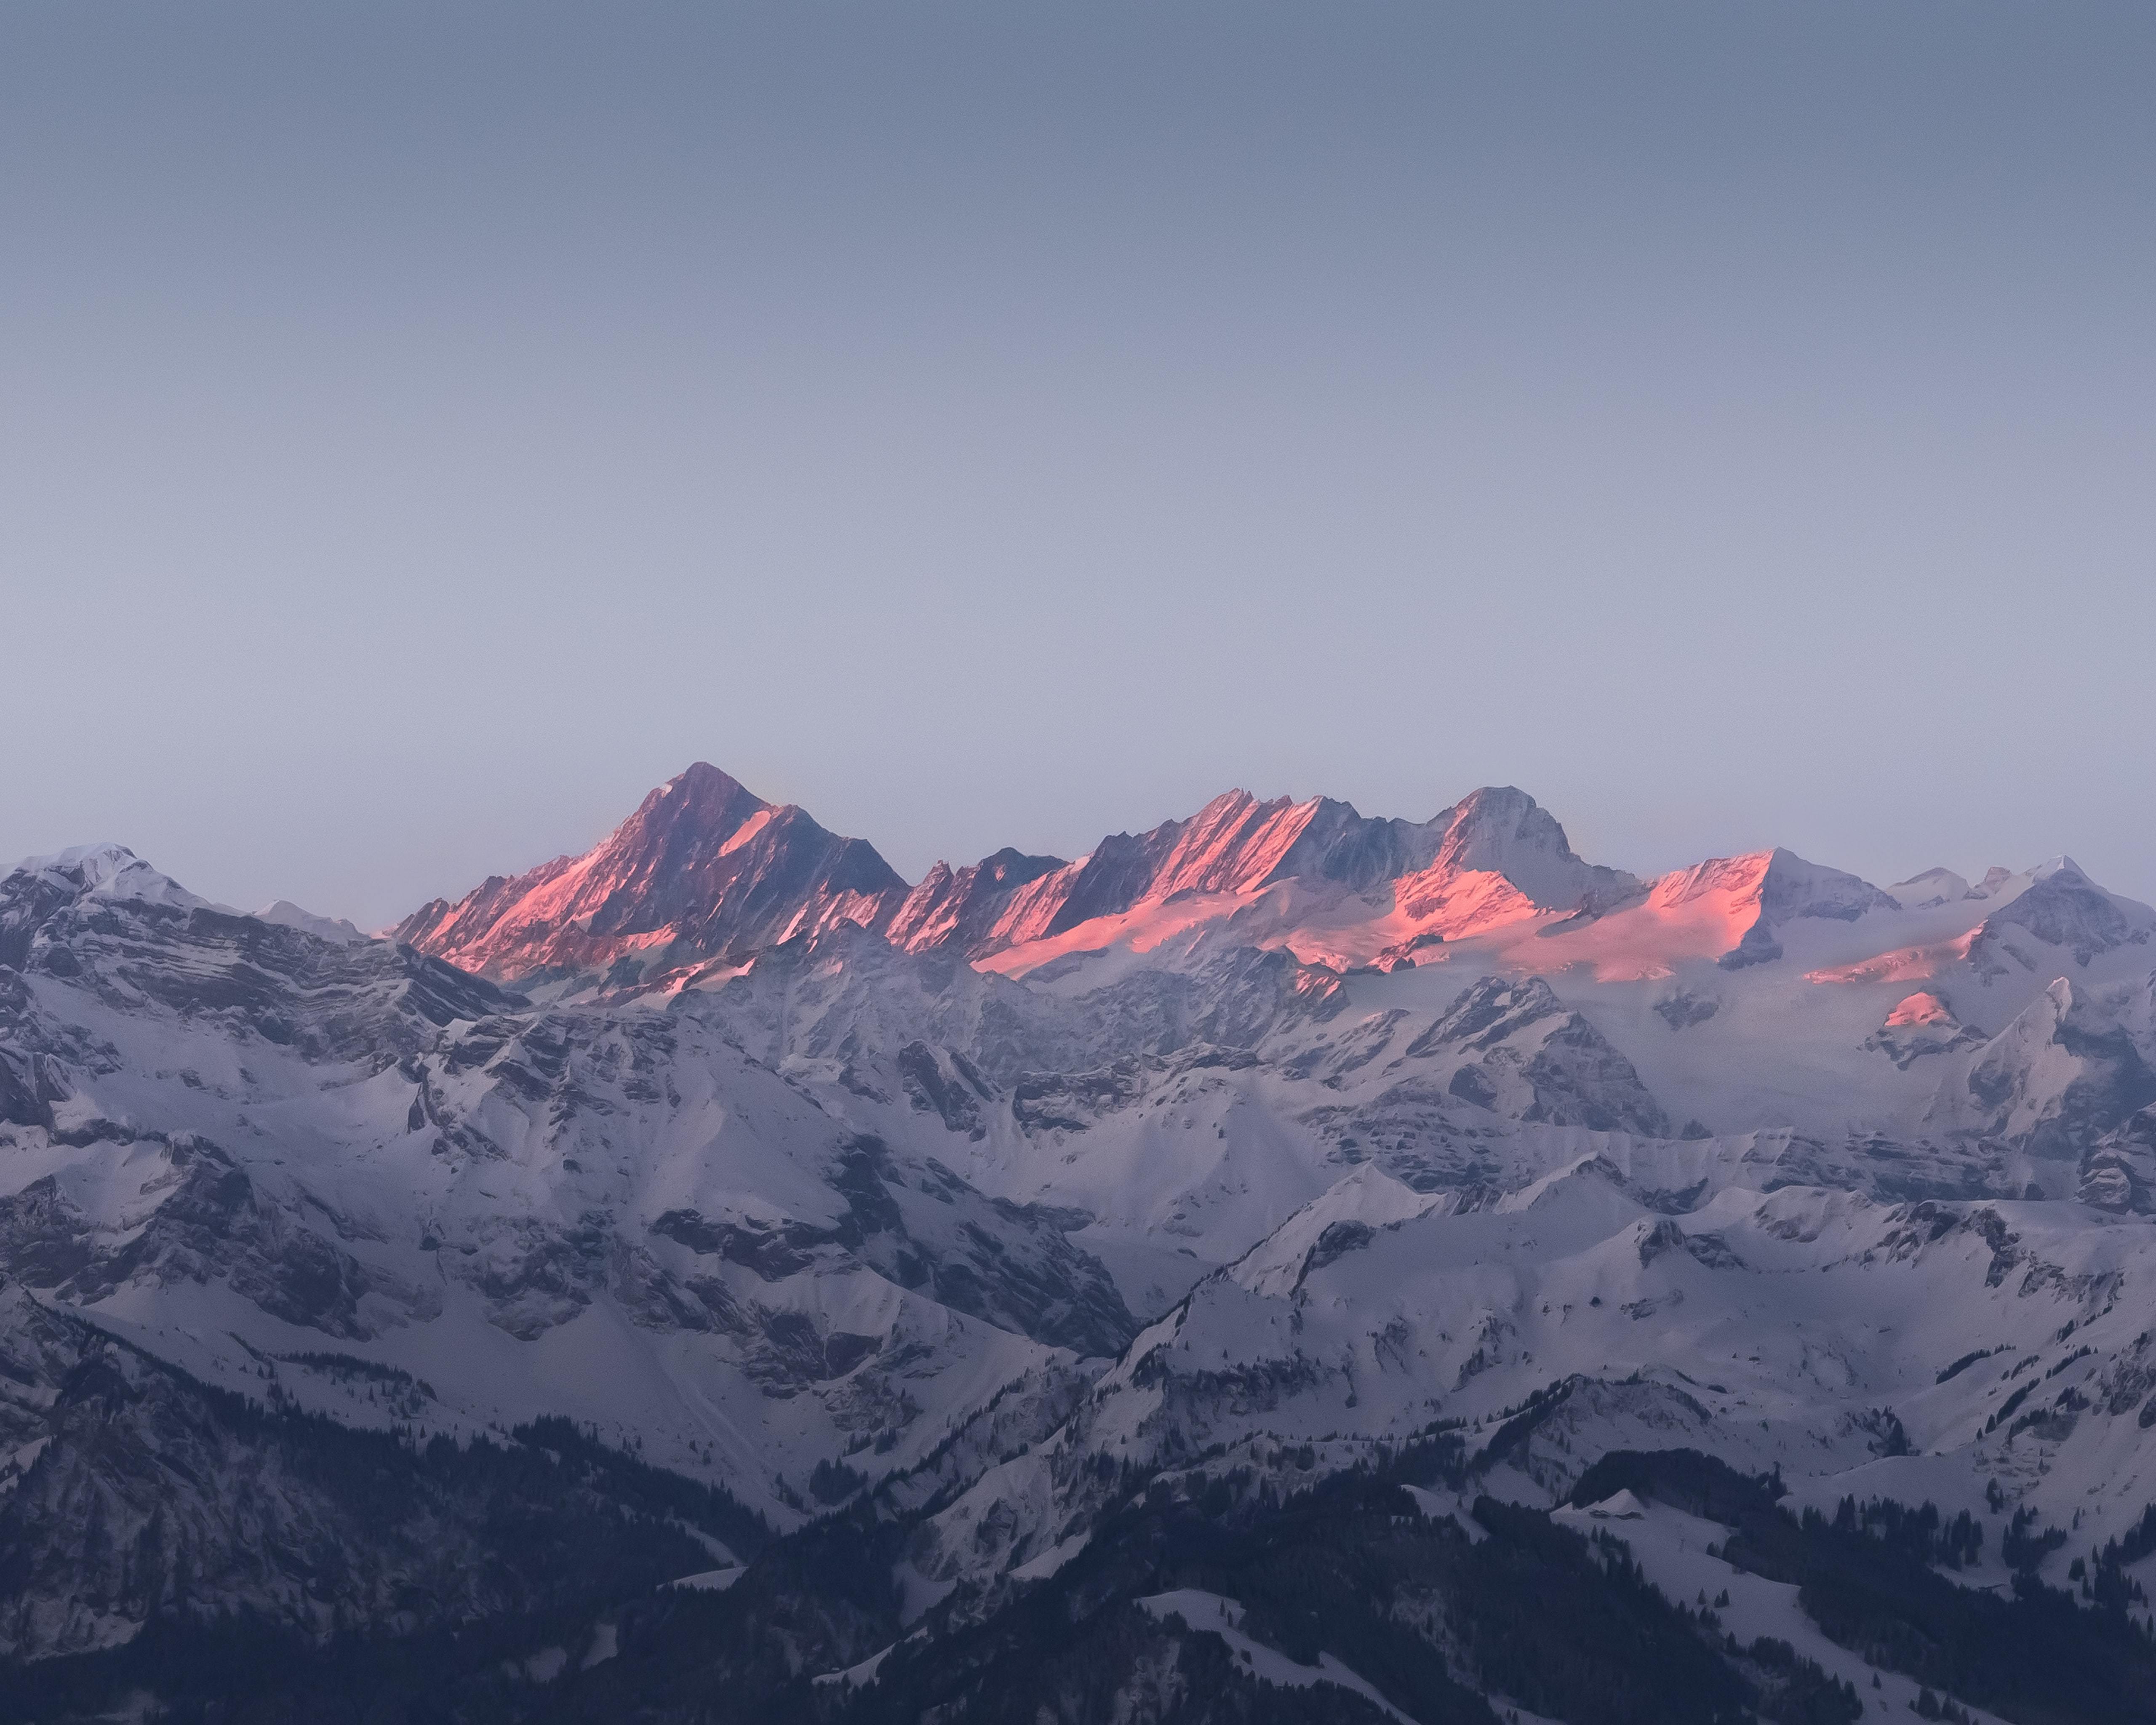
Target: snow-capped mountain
[703,870]
[1265,1146]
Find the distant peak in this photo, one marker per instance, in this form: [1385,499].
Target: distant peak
[703,868]
[110,872]
[1495,800]
[92,861]
[1011,866]
[702,786]
[1496,819]
[284,914]
[1934,886]
[1500,829]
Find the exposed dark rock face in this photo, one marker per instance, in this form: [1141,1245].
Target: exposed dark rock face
[948,1087]
[1757,946]
[23,1098]
[2118,1171]
[1684,1009]
[1487,1013]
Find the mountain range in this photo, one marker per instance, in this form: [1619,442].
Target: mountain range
[1283,1265]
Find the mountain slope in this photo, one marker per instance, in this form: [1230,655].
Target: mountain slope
[1019,1245]
[226,1135]
[148,1494]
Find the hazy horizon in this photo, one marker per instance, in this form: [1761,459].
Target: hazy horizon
[433,427]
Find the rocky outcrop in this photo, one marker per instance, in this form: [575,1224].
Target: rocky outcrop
[1919,1025]
[2118,1172]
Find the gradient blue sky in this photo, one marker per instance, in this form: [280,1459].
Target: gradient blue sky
[424,427]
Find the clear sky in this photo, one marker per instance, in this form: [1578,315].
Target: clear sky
[425,427]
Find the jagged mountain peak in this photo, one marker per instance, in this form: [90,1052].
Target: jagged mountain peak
[2073,1063]
[1235,844]
[1500,829]
[1492,811]
[1494,853]
[2060,865]
[1012,867]
[705,874]
[703,869]
[701,796]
